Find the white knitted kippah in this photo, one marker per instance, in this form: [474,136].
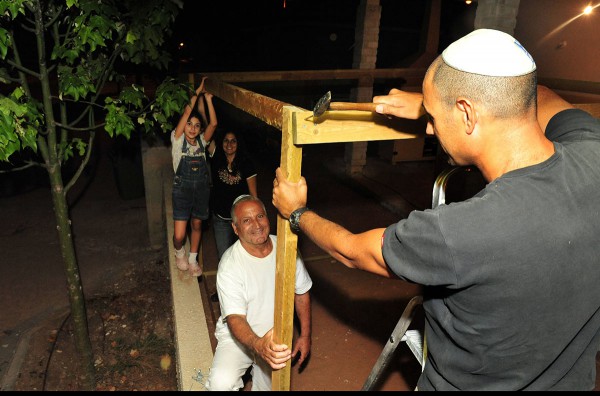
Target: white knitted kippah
[490,53]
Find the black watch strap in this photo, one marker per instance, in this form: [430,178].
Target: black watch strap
[295,218]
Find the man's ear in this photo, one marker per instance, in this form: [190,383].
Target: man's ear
[469,115]
[234,228]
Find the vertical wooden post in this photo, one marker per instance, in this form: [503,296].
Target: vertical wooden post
[287,246]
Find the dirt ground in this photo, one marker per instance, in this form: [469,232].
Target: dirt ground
[128,296]
[125,283]
[131,335]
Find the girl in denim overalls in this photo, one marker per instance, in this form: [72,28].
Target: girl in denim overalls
[191,183]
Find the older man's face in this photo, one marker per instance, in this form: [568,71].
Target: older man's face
[252,224]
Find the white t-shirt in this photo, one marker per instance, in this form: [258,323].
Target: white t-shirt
[177,145]
[246,286]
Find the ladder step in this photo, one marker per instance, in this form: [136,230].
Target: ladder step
[414,340]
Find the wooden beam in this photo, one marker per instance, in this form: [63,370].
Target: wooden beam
[262,107]
[287,248]
[304,75]
[352,126]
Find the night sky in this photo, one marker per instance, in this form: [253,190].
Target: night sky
[299,34]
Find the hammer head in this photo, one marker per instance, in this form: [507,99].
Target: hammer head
[322,105]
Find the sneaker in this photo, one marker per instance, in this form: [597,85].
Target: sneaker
[195,269]
[182,263]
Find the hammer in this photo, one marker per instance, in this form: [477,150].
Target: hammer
[325,104]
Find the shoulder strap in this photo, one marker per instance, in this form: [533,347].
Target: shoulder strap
[184,146]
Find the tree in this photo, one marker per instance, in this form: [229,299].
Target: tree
[53,103]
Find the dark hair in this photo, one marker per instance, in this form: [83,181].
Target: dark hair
[241,153]
[504,97]
[196,113]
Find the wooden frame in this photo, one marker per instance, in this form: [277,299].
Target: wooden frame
[298,127]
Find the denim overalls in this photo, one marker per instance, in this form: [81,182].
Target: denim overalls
[191,184]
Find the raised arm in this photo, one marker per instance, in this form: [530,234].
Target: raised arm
[200,102]
[362,251]
[548,105]
[187,110]
[212,118]
[409,105]
[401,104]
[201,108]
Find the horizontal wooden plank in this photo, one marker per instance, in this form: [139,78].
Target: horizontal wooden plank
[260,106]
[304,75]
[352,126]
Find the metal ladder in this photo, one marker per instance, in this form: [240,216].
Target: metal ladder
[414,338]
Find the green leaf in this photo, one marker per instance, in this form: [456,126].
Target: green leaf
[80,145]
[93,34]
[4,43]
[131,38]
[12,8]
[67,152]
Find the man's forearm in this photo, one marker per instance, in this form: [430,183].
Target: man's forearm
[303,310]
[241,330]
[326,234]
[362,251]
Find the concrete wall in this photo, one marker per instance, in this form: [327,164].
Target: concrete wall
[564,43]
[157,163]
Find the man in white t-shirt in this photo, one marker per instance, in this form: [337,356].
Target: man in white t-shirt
[246,287]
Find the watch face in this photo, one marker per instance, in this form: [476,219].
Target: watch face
[295,217]
[294,221]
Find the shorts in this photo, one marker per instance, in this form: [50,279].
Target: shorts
[190,198]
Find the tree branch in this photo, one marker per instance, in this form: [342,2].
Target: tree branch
[75,129]
[55,17]
[29,164]
[17,57]
[85,160]
[23,69]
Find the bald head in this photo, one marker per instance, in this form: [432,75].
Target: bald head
[240,200]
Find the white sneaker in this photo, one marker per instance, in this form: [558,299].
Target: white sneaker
[182,263]
[195,269]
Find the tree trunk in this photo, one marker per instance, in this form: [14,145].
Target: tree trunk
[48,147]
[74,286]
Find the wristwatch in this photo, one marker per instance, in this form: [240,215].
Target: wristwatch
[295,218]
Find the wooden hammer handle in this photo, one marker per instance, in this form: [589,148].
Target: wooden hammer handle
[352,106]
